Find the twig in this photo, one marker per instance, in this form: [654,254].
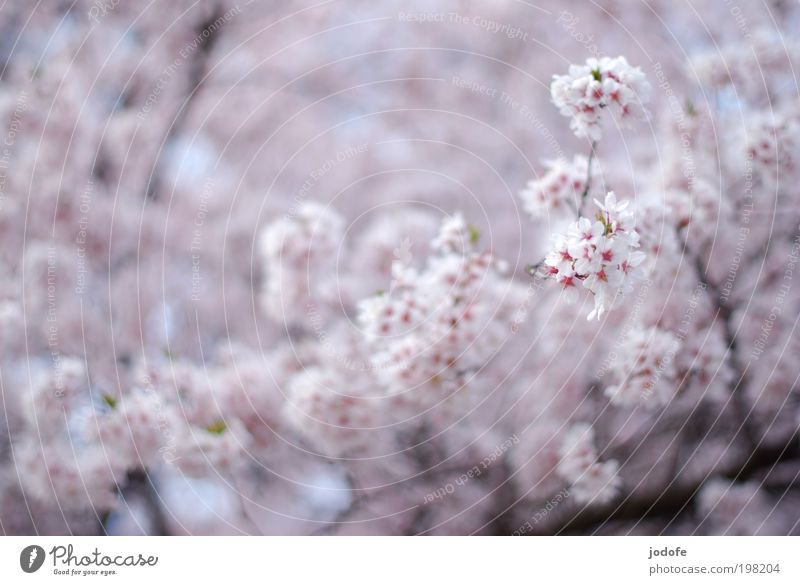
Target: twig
[588,186]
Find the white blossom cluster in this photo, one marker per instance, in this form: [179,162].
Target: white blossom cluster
[598,255]
[605,83]
[772,142]
[336,401]
[297,249]
[646,369]
[49,462]
[219,315]
[592,481]
[558,191]
[441,324]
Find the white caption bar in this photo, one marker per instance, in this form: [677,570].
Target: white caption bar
[390,560]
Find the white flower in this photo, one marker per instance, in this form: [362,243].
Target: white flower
[772,141]
[605,83]
[454,235]
[592,480]
[601,254]
[611,206]
[442,323]
[646,369]
[331,406]
[558,191]
[313,232]
[296,251]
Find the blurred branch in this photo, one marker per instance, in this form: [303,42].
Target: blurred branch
[725,313]
[666,503]
[197,72]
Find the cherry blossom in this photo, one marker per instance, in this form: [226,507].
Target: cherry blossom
[253,289]
[602,83]
[646,369]
[600,256]
[591,480]
[558,191]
